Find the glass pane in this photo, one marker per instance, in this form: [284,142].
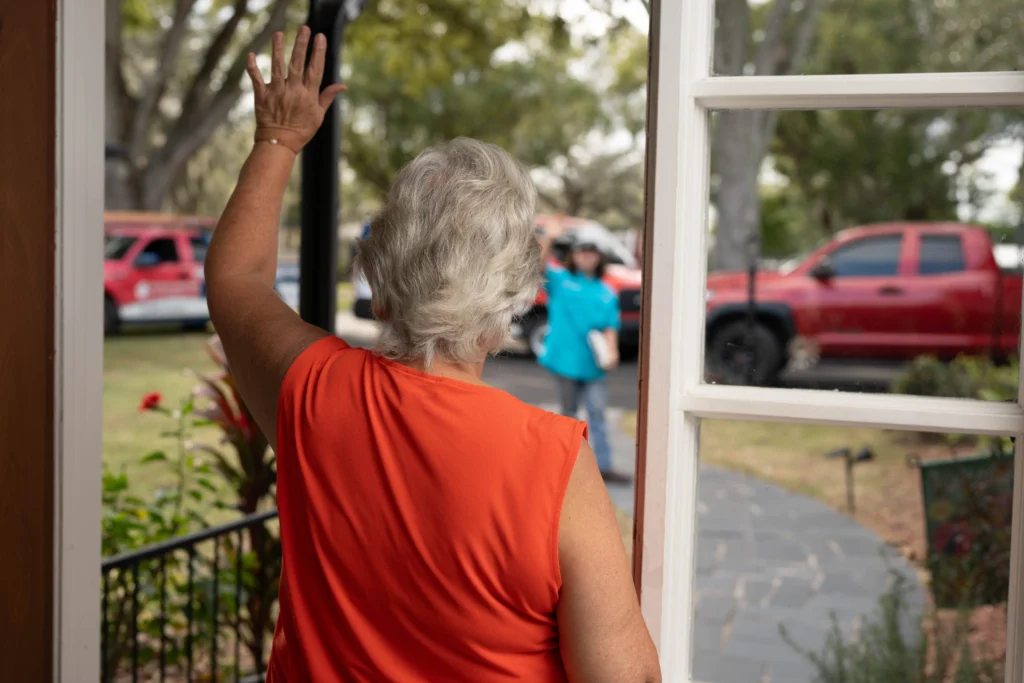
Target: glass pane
[782,37]
[821,542]
[886,246]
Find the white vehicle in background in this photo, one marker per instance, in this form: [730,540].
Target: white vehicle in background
[361,305]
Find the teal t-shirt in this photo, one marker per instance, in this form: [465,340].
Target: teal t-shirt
[577,304]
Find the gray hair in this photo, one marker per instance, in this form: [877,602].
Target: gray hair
[453,256]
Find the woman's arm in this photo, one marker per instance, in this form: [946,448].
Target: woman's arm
[260,333]
[602,635]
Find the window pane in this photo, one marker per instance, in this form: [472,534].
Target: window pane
[868,257]
[779,37]
[780,550]
[116,246]
[164,249]
[941,254]
[849,220]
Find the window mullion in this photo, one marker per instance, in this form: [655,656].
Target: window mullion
[883,91]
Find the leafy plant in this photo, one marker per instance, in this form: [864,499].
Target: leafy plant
[964,377]
[251,472]
[937,651]
[129,522]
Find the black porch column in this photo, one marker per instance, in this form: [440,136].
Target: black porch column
[318,252]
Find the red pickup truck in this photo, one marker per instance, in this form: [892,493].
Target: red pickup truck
[892,291]
[153,269]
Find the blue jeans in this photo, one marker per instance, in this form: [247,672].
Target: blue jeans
[595,398]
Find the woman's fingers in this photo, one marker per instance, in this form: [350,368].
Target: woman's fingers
[277,59]
[299,54]
[330,92]
[255,76]
[315,71]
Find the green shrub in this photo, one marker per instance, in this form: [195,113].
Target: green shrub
[937,651]
[963,377]
[974,377]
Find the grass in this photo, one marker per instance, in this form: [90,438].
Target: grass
[138,362]
[135,364]
[346,296]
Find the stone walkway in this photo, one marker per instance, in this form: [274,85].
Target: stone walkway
[768,558]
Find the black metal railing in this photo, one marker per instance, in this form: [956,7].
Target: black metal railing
[195,607]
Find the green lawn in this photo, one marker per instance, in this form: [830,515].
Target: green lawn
[346,296]
[137,363]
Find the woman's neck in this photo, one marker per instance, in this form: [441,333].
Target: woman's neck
[471,373]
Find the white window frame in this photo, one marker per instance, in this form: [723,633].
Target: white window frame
[78,330]
[683,93]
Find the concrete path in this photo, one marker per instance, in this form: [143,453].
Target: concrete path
[768,558]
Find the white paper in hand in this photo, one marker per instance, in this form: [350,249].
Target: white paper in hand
[599,347]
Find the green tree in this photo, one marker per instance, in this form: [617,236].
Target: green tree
[607,187]
[173,74]
[424,72]
[855,167]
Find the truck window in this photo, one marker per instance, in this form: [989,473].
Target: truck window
[868,257]
[941,254]
[165,249]
[116,246]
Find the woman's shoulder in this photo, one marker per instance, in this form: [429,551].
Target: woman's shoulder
[543,424]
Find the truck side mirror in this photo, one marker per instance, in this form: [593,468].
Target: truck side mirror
[823,271]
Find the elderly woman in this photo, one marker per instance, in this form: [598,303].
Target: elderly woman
[433,528]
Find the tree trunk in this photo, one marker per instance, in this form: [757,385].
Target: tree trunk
[118,190]
[742,137]
[737,143]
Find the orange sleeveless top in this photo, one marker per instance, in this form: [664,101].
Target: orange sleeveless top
[419,525]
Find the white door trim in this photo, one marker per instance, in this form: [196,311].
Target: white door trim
[78,330]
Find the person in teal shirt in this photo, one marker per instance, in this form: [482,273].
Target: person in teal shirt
[579,303]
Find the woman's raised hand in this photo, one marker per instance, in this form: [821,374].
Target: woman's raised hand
[291,107]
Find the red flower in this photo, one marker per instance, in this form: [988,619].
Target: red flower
[150,401]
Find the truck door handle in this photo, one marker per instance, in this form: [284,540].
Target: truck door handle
[890,290]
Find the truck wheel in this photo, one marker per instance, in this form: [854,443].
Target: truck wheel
[110,320]
[734,348]
[535,329]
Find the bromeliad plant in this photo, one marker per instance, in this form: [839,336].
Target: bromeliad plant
[251,472]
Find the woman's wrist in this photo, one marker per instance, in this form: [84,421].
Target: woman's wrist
[274,154]
[282,137]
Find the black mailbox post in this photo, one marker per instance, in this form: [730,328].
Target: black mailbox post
[318,252]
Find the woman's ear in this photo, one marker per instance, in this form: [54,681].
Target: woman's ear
[379,312]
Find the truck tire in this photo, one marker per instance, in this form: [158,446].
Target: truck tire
[729,358]
[111,321]
[535,331]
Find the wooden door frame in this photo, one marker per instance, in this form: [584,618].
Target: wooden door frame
[51,273]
